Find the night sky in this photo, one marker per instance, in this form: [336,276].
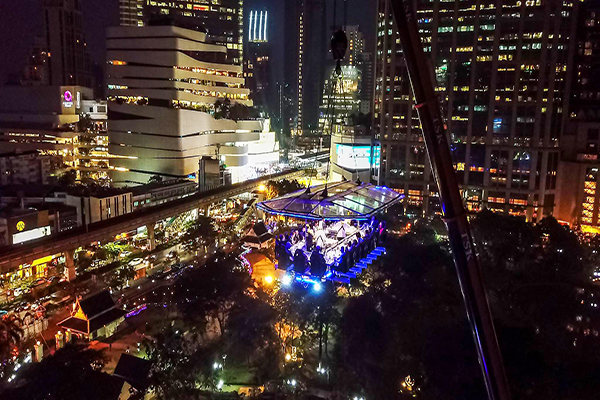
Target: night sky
[21,21]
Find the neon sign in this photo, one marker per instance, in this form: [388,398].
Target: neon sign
[68,99]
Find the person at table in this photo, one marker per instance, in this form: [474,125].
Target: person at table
[343,261]
[309,241]
[383,232]
[300,262]
[317,263]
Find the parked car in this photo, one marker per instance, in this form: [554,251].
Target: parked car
[136,261]
[124,254]
[172,255]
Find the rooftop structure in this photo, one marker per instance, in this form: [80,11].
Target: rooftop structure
[95,316]
[343,200]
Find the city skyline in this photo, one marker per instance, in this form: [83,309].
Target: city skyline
[295,199]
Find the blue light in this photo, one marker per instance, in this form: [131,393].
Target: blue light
[317,287]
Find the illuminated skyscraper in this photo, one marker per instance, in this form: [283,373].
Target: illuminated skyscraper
[502,70]
[578,198]
[222,20]
[306,49]
[257,65]
[356,44]
[131,12]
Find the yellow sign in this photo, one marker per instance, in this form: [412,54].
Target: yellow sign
[20,226]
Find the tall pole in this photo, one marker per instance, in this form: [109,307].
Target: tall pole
[459,232]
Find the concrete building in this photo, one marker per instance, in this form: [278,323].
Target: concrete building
[356,44]
[36,71]
[21,224]
[24,167]
[68,61]
[257,65]
[169,107]
[341,98]
[352,156]
[503,74]
[306,41]
[157,193]
[578,199]
[94,204]
[365,64]
[47,119]
[222,21]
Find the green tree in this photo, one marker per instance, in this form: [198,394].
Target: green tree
[68,178]
[180,366]
[201,229]
[282,187]
[222,108]
[73,372]
[11,335]
[210,293]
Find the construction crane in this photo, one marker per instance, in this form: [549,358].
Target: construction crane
[459,233]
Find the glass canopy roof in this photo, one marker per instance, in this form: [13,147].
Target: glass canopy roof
[343,200]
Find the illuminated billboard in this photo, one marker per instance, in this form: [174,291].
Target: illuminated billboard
[357,157]
[31,234]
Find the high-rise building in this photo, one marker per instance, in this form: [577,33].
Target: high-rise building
[36,71]
[365,63]
[172,99]
[68,61]
[578,200]
[502,70]
[131,12]
[257,65]
[585,104]
[341,101]
[356,44]
[222,20]
[306,50]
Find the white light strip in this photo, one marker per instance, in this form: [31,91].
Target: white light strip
[265,34]
[260,27]
[255,24]
[250,28]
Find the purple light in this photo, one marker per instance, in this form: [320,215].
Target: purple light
[135,312]
[68,96]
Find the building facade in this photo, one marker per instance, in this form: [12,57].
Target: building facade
[365,63]
[341,98]
[257,64]
[169,107]
[356,44]
[305,53]
[53,120]
[578,198]
[222,20]
[68,61]
[24,167]
[502,70]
